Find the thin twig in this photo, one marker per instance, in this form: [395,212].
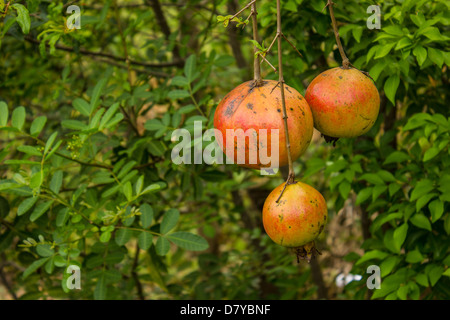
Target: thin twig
[345,61]
[264,58]
[239,12]
[292,45]
[175,63]
[6,284]
[135,275]
[256,65]
[291,176]
[273,42]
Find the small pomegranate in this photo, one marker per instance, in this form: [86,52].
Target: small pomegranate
[297,218]
[344,102]
[259,107]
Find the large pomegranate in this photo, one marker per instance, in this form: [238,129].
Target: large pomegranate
[344,102]
[259,107]
[297,218]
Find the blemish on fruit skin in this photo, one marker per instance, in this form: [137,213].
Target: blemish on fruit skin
[279,110]
[287,88]
[250,106]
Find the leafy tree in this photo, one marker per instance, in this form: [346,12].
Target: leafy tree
[86,123]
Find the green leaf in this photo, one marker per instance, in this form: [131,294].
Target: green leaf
[162,246]
[123,236]
[430,153]
[40,209]
[391,86]
[421,54]
[33,267]
[145,240]
[370,255]
[96,93]
[26,205]
[384,50]
[402,292]
[117,118]
[344,189]
[105,236]
[59,261]
[37,125]
[153,125]
[96,119]
[44,250]
[436,209]
[372,178]
[189,67]
[400,235]
[36,180]
[393,188]
[18,118]
[127,190]
[419,220]
[23,17]
[433,33]
[396,156]
[150,188]
[422,187]
[422,280]
[50,141]
[422,201]
[187,109]
[357,33]
[434,274]
[178,94]
[386,176]
[56,182]
[436,56]
[188,241]
[74,125]
[82,106]
[4,114]
[29,150]
[146,215]
[414,257]
[363,195]
[179,81]
[169,220]
[108,115]
[377,191]
[100,289]
[404,42]
[388,265]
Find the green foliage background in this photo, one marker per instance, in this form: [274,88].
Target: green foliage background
[86,118]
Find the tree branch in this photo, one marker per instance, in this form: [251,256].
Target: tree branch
[175,63]
[163,24]
[345,61]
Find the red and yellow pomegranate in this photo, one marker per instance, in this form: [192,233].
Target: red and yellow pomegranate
[259,107]
[344,102]
[297,218]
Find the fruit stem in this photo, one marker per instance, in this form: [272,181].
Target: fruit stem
[345,61]
[291,175]
[256,60]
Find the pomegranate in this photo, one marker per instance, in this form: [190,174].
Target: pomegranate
[297,218]
[344,102]
[259,107]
